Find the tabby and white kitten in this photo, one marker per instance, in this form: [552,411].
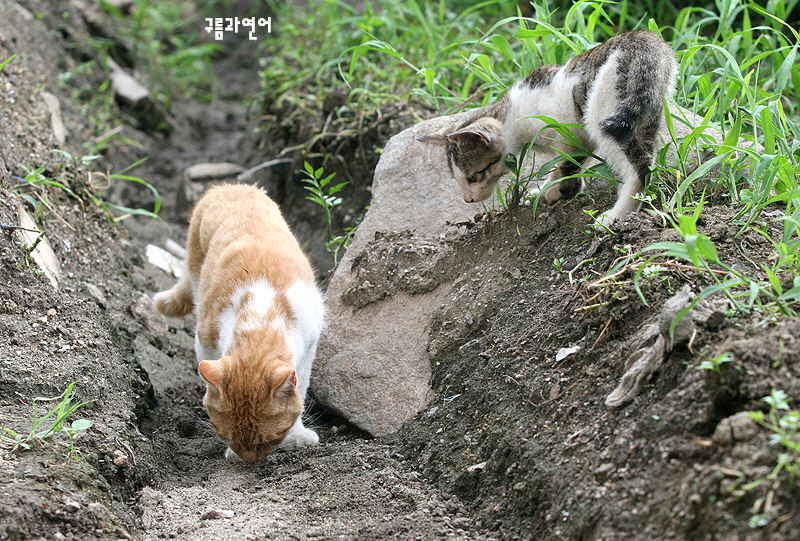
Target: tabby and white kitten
[259,317]
[616,90]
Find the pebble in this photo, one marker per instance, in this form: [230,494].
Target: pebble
[100,511]
[211,513]
[120,458]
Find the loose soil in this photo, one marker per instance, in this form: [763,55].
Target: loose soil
[516,444]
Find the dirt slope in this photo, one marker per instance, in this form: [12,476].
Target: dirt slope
[517,444]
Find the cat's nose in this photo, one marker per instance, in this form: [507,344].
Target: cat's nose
[468,199]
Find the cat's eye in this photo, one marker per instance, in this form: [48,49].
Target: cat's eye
[478,176]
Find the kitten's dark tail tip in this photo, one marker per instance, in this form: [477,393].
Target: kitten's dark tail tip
[618,127]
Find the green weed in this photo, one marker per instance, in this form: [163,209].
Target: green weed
[77,179]
[744,292]
[41,431]
[323,194]
[715,363]
[784,424]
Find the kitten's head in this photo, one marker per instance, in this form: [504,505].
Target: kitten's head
[251,405]
[475,155]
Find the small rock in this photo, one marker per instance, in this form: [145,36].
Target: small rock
[95,293]
[563,353]
[738,427]
[211,513]
[477,467]
[100,511]
[137,99]
[120,458]
[211,171]
[54,108]
[72,507]
[603,469]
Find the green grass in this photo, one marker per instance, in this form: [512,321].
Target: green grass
[5,62]
[738,72]
[164,35]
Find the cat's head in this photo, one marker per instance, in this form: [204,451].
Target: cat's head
[475,155]
[251,406]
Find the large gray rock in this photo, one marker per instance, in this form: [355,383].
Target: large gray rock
[372,366]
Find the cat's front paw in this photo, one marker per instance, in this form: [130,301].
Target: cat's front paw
[298,438]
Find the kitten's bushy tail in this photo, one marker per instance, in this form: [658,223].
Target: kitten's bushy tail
[650,77]
[175,302]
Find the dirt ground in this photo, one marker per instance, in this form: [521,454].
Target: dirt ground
[517,443]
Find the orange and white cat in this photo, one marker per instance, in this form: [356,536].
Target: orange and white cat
[259,317]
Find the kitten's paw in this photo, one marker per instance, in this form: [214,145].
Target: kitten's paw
[604,222]
[298,438]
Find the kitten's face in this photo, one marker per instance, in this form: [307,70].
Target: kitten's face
[254,412]
[475,156]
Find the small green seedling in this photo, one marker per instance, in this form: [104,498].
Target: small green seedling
[40,432]
[715,363]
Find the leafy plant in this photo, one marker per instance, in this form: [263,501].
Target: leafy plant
[324,195]
[41,432]
[785,432]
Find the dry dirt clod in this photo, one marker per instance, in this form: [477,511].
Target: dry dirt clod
[648,358]
[738,427]
[217,514]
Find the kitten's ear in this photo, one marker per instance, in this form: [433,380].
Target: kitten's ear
[213,372]
[437,138]
[285,382]
[473,135]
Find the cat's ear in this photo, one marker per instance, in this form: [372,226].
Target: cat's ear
[438,138]
[285,382]
[213,372]
[473,135]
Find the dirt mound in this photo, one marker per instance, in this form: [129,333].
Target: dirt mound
[524,356]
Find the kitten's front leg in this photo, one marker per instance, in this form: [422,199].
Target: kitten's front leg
[554,188]
[626,204]
[298,436]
